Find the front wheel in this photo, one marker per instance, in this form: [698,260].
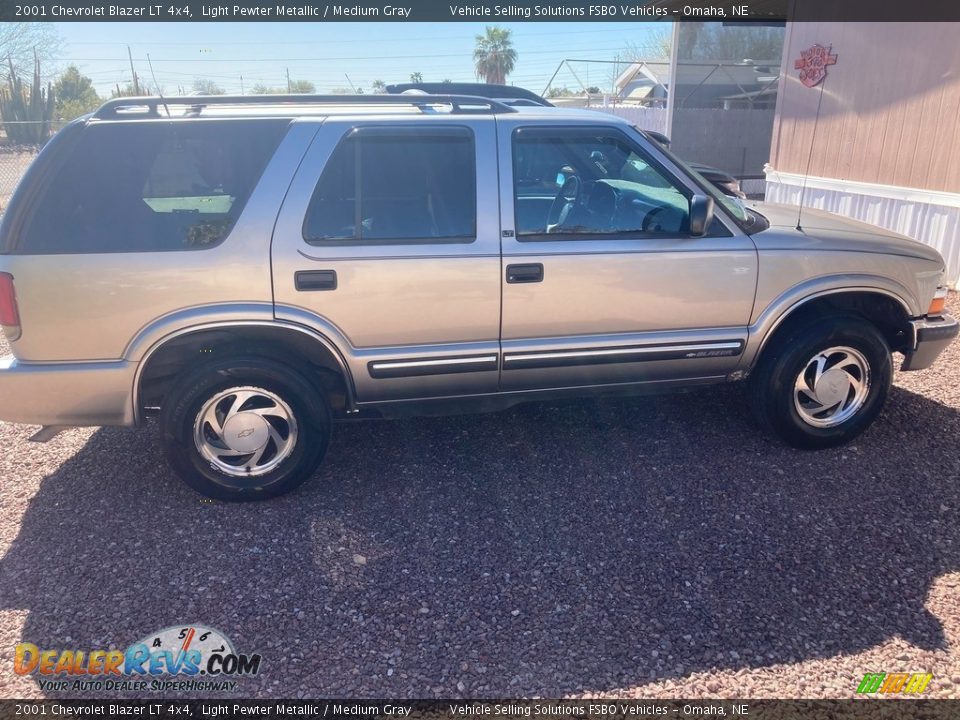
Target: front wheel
[822,384]
[244,429]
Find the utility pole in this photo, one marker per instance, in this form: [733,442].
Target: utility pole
[241,86]
[672,89]
[288,81]
[133,73]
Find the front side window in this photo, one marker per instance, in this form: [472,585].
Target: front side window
[383,185]
[146,187]
[585,183]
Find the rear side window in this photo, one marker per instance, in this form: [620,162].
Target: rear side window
[147,187]
[392,185]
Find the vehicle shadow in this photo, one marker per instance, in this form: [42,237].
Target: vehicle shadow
[551,549]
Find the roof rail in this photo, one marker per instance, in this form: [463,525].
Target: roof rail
[139,107]
[507,94]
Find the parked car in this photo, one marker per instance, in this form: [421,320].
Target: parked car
[725,182]
[252,268]
[517,96]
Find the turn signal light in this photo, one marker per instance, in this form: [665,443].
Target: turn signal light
[939,302]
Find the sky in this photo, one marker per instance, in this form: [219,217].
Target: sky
[326,53]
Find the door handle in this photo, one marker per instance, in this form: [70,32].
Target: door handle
[308,280]
[527,273]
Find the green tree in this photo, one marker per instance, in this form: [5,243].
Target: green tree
[378,86]
[416,77]
[206,87]
[75,94]
[494,57]
[304,87]
[20,42]
[126,91]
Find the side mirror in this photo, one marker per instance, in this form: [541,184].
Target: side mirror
[659,137]
[701,214]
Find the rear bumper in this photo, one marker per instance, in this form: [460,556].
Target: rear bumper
[85,393]
[931,338]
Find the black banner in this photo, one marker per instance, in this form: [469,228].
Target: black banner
[478,10]
[865,709]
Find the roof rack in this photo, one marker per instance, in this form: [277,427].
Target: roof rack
[139,107]
[507,94]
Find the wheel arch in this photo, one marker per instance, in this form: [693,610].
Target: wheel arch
[287,343]
[885,306]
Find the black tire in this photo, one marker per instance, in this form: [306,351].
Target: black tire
[309,429]
[771,385]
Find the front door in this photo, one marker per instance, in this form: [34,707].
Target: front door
[388,244]
[603,283]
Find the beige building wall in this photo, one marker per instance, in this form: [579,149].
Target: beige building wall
[890,111]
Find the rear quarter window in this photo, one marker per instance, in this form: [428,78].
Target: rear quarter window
[150,186]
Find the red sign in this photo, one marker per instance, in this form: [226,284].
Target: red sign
[813,64]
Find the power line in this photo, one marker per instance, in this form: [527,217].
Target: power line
[352,58]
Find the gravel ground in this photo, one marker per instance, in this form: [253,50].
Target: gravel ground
[654,547]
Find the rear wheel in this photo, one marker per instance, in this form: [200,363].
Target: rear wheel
[245,429]
[823,383]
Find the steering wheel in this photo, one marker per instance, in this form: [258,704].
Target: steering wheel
[566,199]
[663,219]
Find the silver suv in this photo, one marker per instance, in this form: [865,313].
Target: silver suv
[254,267]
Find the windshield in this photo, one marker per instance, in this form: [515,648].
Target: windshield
[732,205]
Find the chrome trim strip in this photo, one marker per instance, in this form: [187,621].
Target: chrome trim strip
[383,369]
[425,256]
[621,351]
[398,364]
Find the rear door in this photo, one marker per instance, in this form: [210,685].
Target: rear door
[388,244]
[603,283]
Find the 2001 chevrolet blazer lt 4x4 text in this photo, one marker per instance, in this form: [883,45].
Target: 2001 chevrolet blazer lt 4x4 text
[256,267]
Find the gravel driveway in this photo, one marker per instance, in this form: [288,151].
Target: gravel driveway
[654,547]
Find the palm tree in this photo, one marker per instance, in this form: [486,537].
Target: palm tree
[378,86]
[494,56]
[416,77]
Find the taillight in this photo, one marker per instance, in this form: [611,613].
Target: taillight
[9,315]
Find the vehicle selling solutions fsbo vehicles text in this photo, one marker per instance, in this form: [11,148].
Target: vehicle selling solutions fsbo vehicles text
[530,11]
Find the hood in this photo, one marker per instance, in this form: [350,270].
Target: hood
[834,232]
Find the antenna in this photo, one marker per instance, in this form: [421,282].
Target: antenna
[813,139]
[159,91]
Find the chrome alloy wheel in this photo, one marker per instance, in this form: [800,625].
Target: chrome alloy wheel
[245,431]
[832,387]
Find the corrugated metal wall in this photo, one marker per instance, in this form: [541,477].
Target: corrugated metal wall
[933,223]
[891,105]
[886,146]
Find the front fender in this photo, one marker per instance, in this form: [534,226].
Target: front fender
[782,306]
